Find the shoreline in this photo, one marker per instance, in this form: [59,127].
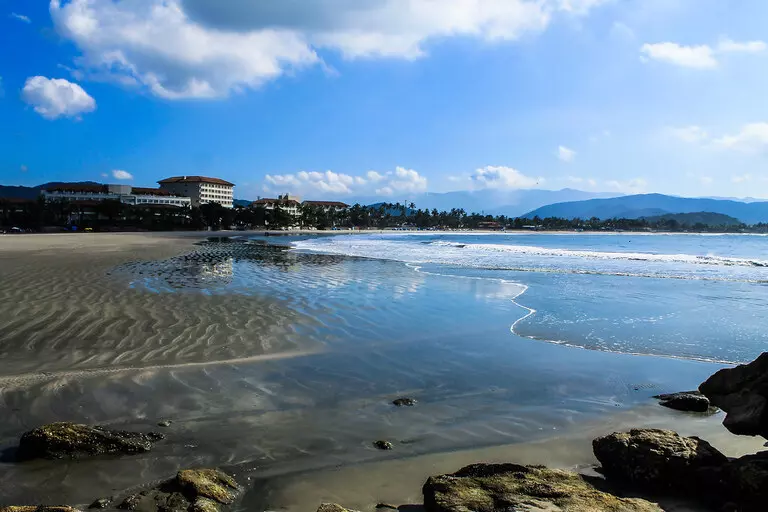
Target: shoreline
[252,411]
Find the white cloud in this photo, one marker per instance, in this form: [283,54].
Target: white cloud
[728,46]
[691,134]
[121,175]
[699,57]
[23,168]
[633,186]
[752,137]
[565,154]
[744,178]
[54,98]
[706,180]
[622,31]
[504,178]
[205,49]
[21,17]
[330,184]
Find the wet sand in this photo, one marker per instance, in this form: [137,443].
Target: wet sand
[398,482]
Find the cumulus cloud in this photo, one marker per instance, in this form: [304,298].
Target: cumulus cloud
[329,183]
[690,134]
[752,137]
[699,56]
[503,178]
[21,17]
[728,46]
[204,49]
[53,98]
[121,175]
[565,154]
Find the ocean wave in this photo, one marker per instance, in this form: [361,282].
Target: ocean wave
[505,256]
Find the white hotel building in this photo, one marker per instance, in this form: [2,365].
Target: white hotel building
[135,196]
[201,190]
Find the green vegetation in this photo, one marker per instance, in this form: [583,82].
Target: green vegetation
[37,215]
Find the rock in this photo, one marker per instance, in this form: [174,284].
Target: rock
[38,508]
[746,482]
[164,423]
[687,401]
[192,490]
[383,445]
[332,507]
[509,487]
[742,392]
[70,440]
[659,460]
[101,503]
[386,505]
[404,402]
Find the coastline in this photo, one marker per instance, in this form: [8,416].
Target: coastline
[251,412]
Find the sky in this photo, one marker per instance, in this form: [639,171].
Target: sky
[340,98]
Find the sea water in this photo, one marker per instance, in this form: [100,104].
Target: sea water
[689,296]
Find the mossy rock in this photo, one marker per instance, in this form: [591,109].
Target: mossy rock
[72,440]
[510,487]
[208,483]
[192,490]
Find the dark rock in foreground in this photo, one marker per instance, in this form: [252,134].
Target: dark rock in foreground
[742,392]
[71,440]
[193,490]
[383,445]
[404,402]
[658,460]
[509,487]
[687,401]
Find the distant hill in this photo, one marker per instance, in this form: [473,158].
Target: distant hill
[242,202]
[34,192]
[512,203]
[691,219]
[649,205]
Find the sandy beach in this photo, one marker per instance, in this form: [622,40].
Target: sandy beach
[281,366]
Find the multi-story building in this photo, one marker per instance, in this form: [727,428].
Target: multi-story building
[201,189]
[288,204]
[327,206]
[124,193]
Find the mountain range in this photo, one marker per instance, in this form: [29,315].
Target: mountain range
[512,203]
[652,205]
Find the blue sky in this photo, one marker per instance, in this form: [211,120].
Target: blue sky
[339,98]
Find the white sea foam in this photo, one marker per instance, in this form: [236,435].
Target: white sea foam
[500,256]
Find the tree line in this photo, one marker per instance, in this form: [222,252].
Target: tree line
[109,215]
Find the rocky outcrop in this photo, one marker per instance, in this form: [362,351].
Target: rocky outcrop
[658,460]
[745,482]
[192,490]
[404,402]
[71,440]
[494,487]
[687,401]
[742,392]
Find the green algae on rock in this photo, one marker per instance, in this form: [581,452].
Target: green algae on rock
[72,440]
[192,490]
[493,487]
